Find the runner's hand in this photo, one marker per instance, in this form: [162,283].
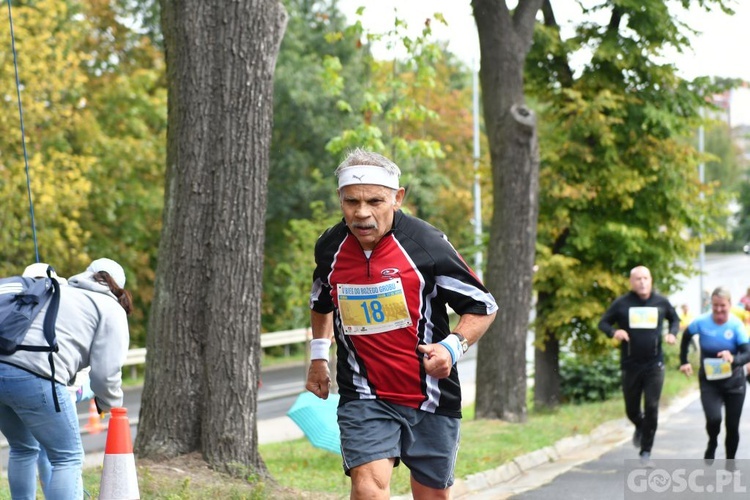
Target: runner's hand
[621,335]
[726,356]
[319,378]
[687,369]
[437,360]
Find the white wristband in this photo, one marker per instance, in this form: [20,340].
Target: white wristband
[319,348]
[453,345]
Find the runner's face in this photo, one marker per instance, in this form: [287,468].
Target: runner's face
[640,282]
[368,211]
[720,309]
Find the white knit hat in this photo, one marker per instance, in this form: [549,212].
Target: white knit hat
[37,270]
[111,267]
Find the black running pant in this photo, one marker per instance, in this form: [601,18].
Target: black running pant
[643,384]
[729,393]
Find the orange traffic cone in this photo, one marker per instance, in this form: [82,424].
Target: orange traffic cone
[119,478]
[95,425]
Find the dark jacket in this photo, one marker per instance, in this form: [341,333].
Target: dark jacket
[644,322]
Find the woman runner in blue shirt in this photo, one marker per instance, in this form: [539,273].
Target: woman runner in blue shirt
[724,350]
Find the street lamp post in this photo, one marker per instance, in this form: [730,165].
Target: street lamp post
[477,188]
[702,179]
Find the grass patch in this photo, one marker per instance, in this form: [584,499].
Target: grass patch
[189,478]
[298,465]
[487,444]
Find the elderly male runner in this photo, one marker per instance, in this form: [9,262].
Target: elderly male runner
[382,284]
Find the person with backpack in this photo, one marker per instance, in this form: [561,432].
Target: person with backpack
[91,330]
[79,390]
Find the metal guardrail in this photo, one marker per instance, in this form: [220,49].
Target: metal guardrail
[285,337]
[271,339]
[137,356]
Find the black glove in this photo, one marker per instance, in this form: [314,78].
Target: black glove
[98,408]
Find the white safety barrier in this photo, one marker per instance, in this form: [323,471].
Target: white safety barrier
[137,356]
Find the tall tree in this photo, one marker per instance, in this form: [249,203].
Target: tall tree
[203,364]
[505,38]
[619,178]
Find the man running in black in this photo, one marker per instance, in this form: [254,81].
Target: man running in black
[636,319]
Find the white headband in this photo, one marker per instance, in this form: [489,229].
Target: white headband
[367,174]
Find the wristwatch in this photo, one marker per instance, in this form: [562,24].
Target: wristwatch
[462,340]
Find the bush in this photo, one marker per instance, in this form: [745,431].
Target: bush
[591,379]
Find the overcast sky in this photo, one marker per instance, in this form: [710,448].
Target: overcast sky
[720,50]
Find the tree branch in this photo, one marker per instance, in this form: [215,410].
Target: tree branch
[549,14]
[560,61]
[614,21]
[524,19]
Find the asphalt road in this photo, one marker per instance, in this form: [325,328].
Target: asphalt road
[731,271]
[680,442]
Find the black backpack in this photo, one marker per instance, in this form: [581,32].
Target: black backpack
[21,299]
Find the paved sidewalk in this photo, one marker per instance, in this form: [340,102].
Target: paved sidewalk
[540,467]
[681,437]
[276,430]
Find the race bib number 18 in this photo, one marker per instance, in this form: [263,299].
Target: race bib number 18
[378,308]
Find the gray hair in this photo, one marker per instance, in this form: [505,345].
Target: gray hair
[722,292]
[360,156]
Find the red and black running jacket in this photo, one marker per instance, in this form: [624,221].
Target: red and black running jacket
[387,365]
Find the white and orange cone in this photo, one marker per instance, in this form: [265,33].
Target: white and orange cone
[119,477]
[95,425]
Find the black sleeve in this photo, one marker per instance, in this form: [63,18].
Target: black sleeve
[607,323]
[685,345]
[743,355]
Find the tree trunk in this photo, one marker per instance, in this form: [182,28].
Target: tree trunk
[547,374]
[546,363]
[203,363]
[504,41]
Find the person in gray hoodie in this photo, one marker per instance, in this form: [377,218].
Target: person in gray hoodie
[92,331]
